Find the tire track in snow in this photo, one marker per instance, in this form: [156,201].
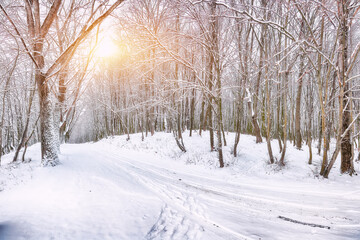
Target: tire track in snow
[254,204]
[261,199]
[179,205]
[227,190]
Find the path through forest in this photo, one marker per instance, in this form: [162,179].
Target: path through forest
[109,193]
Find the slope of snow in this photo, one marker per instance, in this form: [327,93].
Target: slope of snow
[118,189]
[86,197]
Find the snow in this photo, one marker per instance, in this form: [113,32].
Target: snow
[118,189]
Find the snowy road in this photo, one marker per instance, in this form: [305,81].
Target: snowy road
[107,193]
[249,209]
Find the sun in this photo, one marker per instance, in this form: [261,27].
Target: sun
[106,48]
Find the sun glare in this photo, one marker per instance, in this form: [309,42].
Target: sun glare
[106,48]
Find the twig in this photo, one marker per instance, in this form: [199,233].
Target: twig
[303,223]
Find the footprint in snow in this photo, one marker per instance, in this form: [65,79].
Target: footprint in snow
[172,225]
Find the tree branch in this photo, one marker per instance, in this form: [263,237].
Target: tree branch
[68,52]
[21,38]
[49,18]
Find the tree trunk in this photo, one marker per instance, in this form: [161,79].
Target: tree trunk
[237,135]
[254,120]
[310,109]
[49,153]
[320,134]
[298,139]
[192,111]
[268,119]
[209,110]
[61,105]
[284,97]
[257,132]
[215,67]
[346,143]
[309,144]
[333,159]
[202,117]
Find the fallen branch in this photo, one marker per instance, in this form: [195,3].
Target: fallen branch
[303,223]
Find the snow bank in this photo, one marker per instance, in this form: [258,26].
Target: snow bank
[252,159]
[13,174]
[119,189]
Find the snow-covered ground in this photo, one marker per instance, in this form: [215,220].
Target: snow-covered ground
[118,189]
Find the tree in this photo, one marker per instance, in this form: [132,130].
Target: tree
[38,32]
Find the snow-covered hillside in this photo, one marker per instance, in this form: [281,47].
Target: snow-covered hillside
[118,189]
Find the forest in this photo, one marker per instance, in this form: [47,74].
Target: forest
[179,119]
[285,70]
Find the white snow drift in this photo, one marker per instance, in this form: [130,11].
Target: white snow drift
[118,189]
